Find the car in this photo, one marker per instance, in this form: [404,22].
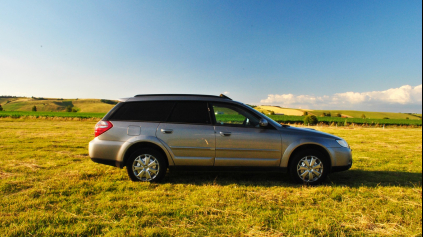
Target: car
[149,134]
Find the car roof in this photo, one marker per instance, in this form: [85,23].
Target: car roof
[193,97]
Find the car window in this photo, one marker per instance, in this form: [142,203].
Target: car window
[193,112]
[152,111]
[232,115]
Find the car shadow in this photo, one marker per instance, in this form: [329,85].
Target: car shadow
[350,178]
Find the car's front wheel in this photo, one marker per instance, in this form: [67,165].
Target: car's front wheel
[309,167]
[146,165]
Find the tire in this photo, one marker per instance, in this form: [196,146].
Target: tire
[146,165]
[309,167]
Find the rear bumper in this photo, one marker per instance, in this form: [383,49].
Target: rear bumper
[106,152]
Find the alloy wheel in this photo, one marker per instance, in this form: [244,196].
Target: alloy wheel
[310,169]
[146,167]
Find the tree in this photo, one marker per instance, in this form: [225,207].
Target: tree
[339,115]
[310,120]
[1,108]
[69,108]
[363,116]
[34,109]
[305,113]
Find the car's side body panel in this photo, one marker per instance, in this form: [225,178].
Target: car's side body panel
[190,144]
[239,146]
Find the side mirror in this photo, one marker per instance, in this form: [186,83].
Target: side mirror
[263,123]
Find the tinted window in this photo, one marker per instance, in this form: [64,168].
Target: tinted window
[190,112]
[154,111]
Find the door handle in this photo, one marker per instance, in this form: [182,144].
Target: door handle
[166,131]
[225,134]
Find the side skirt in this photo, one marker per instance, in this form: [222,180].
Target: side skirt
[228,169]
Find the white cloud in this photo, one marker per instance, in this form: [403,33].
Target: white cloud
[395,97]
[226,93]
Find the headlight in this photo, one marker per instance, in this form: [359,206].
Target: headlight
[343,143]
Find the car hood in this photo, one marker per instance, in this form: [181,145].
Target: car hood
[311,132]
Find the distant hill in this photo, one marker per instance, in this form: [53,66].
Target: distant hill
[103,106]
[267,109]
[56,104]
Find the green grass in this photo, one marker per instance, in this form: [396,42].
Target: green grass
[341,121]
[58,105]
[370,115]
[50,187]
[23,114]
[226,118]
[4,100]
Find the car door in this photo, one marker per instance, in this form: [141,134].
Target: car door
[189,133]
[240,141]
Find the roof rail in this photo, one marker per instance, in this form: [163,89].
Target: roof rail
[222,96]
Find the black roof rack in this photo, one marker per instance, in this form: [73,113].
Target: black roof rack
[222,96]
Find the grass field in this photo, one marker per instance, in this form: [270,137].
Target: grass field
[49,186]
[342,121]
[103,106]
[369,115]
[57,104]
[20,114]
[345,113]
[277,110]
[230,118]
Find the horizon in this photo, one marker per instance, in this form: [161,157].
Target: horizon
[258,105]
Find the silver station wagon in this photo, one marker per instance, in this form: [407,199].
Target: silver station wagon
[148,134]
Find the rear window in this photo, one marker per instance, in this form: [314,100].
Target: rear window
[194,112]
[153,111]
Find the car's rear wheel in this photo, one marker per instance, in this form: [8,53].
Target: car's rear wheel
[309,167]
[146,165]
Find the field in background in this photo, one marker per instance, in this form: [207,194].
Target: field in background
[277,110]
[57,104]
[333,121]
[49,186]
[25,114]
[103,106]
[345,113]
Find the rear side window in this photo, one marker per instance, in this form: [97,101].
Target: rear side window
[194,112]
[153,111]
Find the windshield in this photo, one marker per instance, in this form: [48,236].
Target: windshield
[271,121]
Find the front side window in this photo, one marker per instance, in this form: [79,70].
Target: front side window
[193,112]
[232,115]
[152,111]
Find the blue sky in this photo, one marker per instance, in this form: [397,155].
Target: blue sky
[363,55]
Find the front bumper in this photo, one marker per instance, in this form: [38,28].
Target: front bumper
[343,159]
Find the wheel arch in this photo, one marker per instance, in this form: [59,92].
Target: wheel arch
[316,147]
[140,145]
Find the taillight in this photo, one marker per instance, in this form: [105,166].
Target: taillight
[102,127]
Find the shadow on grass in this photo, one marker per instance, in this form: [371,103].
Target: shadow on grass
[350,178]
